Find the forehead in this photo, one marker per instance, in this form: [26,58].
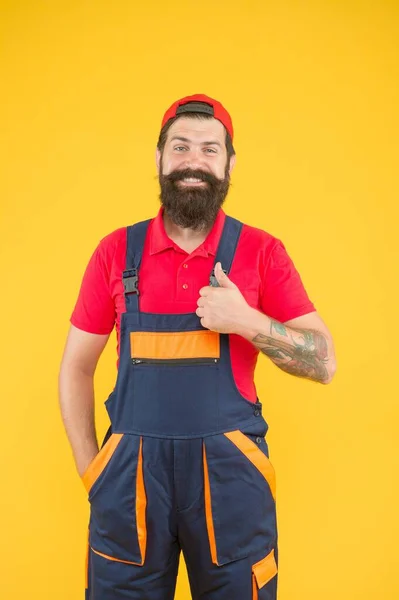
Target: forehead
[198,130]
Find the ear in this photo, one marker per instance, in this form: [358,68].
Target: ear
[232,163]
[158,159]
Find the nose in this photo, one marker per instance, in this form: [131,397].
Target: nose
[194,159]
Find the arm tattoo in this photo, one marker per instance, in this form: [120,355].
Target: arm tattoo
[303,354]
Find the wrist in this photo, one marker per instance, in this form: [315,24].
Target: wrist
[252,323]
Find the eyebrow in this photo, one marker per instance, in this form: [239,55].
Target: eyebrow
[183,139]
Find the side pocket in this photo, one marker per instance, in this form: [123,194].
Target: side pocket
[255,456]
[100,461]
[263,572]
[118,529]
[239,497]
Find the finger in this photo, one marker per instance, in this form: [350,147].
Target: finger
[223,280]
[204,291]
[202,321]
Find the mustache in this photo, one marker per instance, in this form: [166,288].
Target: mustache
[196,174]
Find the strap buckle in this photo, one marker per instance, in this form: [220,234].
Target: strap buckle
[130,279]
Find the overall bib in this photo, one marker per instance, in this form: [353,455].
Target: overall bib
[184,464]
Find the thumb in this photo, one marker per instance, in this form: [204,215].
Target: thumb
[222,278]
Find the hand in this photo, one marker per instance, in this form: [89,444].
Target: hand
[221,309]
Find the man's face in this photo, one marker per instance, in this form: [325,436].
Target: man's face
[194,150]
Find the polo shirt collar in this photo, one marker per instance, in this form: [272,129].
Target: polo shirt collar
[159,240]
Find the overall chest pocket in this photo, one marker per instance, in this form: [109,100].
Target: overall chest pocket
[115,485]
[239,490]
[175,378]
[175,347]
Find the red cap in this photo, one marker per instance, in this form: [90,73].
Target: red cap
[190,104]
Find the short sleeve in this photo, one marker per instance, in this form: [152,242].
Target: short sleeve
[283,294]
[94,310]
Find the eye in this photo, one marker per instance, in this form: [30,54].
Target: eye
[179,147]
[212,150]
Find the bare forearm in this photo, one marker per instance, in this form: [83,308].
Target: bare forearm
[76,398]
[301,352]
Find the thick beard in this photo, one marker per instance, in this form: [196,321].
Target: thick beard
[195,208]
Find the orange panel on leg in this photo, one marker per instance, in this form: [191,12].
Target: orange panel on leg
[208,511]
[141,504]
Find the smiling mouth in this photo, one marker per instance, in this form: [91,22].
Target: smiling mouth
[191,181]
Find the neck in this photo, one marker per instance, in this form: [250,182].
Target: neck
[184,235]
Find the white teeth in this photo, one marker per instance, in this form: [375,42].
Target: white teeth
[192,180]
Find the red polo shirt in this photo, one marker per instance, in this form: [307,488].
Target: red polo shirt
[170,280]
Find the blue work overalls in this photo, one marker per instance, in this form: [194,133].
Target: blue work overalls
[184,464]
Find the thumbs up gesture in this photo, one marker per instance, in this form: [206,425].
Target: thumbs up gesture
[222,309]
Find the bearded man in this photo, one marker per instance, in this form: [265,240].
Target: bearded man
[195,296]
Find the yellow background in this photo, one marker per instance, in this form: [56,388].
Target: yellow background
[313,91]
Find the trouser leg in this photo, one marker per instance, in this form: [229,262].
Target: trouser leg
[246,570]
[111,572]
